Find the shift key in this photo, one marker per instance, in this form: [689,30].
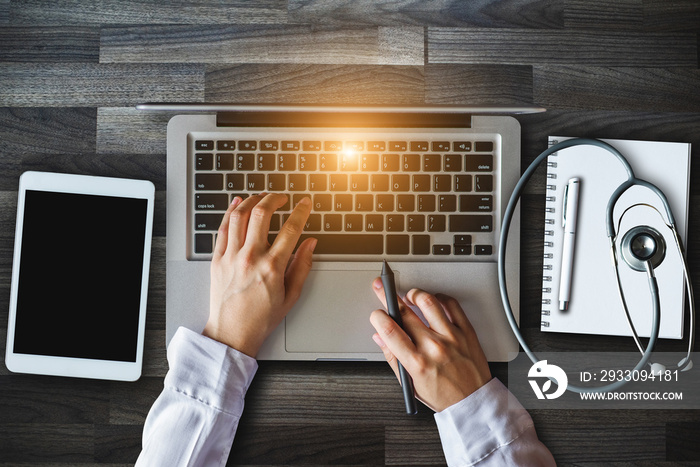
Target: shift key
[471,223]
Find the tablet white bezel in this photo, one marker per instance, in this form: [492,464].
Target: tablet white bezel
[66,366]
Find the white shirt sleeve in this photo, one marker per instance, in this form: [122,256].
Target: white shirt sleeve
[194,420]
[490,427]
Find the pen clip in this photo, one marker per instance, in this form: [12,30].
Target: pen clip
[563,207]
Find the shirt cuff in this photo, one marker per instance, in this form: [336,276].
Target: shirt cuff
[209,371]
[481,423]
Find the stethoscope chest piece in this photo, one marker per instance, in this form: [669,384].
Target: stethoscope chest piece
[643,244]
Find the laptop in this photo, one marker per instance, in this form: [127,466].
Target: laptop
[422,187]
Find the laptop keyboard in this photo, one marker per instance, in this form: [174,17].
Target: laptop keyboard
[413,196]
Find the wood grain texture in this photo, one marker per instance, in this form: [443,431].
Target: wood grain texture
[582,47]
[72,71]
[263,44]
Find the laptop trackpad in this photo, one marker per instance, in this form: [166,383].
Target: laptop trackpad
[332,314]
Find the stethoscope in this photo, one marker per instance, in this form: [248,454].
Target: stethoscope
[642,247]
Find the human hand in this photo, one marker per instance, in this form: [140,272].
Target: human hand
[253,283]
[445,360]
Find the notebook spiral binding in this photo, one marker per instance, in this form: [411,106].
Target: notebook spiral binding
[550,212]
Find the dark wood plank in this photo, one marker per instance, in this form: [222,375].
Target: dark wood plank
[679,15]
[267,83]
[477,85]
[600,14]
[125,130]
[96,85]
[49,44]
[645,89]
[522,13]
[44,443]
[42,12]
[263,44]
[681,441]
[582,47]
[414,444]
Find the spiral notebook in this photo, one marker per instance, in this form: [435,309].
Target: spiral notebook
[595,306]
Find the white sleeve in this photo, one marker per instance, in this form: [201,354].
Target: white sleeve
[490,427]
[194,419]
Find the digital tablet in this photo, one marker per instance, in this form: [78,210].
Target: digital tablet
[80,276]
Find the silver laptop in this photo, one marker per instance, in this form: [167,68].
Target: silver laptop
[422,187]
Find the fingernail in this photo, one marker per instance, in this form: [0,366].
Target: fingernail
[235,201]
[377,283]
[378,340]
[306,201]
[312,247]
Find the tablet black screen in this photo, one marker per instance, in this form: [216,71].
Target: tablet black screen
[81,267]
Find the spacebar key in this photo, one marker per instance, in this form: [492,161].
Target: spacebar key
[344,244]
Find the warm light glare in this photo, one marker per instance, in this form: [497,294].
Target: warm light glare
[349,154]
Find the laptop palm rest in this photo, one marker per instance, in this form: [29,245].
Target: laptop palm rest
[322,322]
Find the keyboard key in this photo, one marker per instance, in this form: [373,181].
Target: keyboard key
[349,162]
[370,162]
[333,146]
[364,203]
[410,162]
[204,161]
[323,202]
[374,223]
[379,182]
[471,223]
[224,162]
[483,250]
[269,145]
[394,223]
[447,203]
[441,249]
[207,221]
[442,183]
[483,146]
[338,182]
[462,240]
[397,244]
[426,203]
[463,183]
[245,162]
[359,182]
[419,146]
[318,182]
[483,182]
[480,163]
[390,162]
[333,222]
[436,223]
[475,203]
[204,145]
[343,203]
[209,182]
[463,250]
[299,196]
[235,182]
[203,243]
[266,162]
[225,145]
[313,223]
[415,223]
[255,182]
[440,146]
[376,146]
[432,163]
[247,145]
[462,146]
[453,163]
[311,145]
[355,145]
[307,162]
[421,245]
[421,183]
[405,203]
[347,244]
[398,146]
[400,182]
[276,182]
[328,162]
[290,145]
[275,223]
[353,222]
[296,182]
[287,162]
[385,203]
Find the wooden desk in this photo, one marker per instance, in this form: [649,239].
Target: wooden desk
[71,73]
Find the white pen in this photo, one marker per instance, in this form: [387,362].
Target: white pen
[570,213]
